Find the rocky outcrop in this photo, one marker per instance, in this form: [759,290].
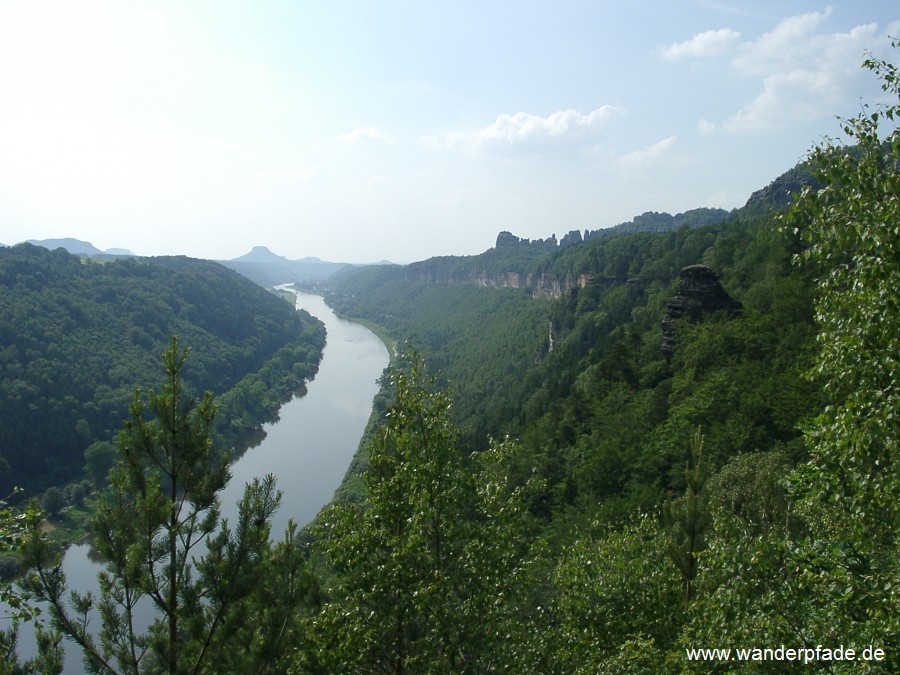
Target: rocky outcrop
[547,286]
[780,192]
[540,285]
[699,293]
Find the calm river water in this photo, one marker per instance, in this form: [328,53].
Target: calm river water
[308,450]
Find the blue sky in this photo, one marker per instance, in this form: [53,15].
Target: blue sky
[362,131]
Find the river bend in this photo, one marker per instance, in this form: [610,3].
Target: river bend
[308,449]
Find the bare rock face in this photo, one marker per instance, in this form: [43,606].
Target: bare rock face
[699,293]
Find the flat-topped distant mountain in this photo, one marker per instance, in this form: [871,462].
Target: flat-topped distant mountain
[261,254]
[78,247]
[269,269]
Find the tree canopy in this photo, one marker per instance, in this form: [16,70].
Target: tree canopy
[162,540]
[77,336]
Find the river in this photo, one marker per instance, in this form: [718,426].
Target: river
[308,449]
[316,436]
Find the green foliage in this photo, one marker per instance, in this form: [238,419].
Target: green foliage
[603,420]
[76,337]
[49,659]
[819,564]
[257,396]
[752,592]
[15,523]
[752,487]
[412,486]
[688,519]
[558,552]
[424,575]
[481,341]
[852,232]
[53,501]
[847,494]
[160,534]
[100,457]
[616,592]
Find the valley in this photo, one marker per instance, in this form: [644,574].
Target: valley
[613,455]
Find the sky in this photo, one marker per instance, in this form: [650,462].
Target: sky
[368,131]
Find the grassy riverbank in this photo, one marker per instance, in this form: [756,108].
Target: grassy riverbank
[73,524]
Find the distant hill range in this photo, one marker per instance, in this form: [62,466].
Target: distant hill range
[780,193]
[81,248]
[259,265]
[269,269]
[552,267]
[511,254]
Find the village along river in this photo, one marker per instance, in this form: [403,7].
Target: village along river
[308,449]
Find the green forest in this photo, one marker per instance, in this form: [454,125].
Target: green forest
[661,451]
[78,336]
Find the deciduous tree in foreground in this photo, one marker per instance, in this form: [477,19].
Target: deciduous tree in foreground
[425,570]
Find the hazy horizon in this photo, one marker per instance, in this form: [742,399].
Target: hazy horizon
[360,132]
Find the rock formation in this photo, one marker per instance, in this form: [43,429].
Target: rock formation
[699,293]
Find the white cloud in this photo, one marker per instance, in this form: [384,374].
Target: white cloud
[791,44]
[803,72]
[528,133]
[639,157]
[704,126]
[432,142]
[368,134]
[787,97]
[707,43]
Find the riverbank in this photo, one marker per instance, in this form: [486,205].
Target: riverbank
[72,523]
[308,448]
[242,413]
[321,440]
[352,488]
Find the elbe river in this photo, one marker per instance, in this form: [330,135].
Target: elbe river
[308,449]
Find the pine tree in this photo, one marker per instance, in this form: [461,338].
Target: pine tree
[688,519]
[164,543]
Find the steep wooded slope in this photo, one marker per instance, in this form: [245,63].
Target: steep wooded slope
[76,338]
[604,416]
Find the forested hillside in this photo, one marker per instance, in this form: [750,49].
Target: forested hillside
[700,454]
[77,337]
[603,415]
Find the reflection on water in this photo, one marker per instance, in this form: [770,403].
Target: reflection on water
[316,436]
